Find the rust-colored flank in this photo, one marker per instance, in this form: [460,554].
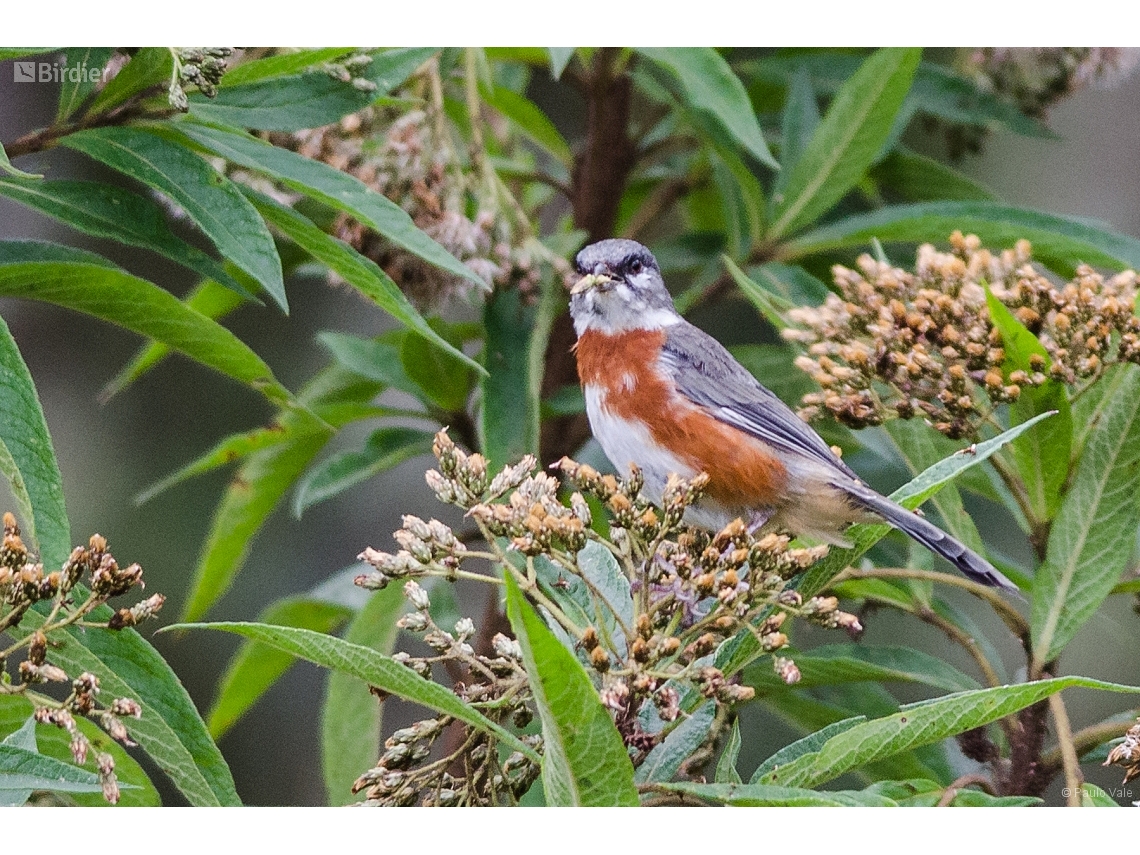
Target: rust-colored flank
[742,474]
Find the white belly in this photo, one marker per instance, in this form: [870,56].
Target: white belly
[626,442]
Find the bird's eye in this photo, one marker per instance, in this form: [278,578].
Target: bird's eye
[634,266]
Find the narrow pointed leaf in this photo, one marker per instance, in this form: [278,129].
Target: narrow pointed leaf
[531,121]
[257,666]
[852,663]
[149,68]
[21,770]
[366,664]
[73,92]
[329,185]
[1058,242]
[1090,539]
[559,58]
[351,716]
[922,724]
[847,140]
[281,64]
[361,273]
[767,795]
[55,742]
[584,760]
[7,167]
[307,100]
[710,86]
[385,449]
[210,199]
[799,122]
[809,744]
[105,211]
[915,177]
[1042,454]
[667,757]
[29,457]
[144,308]
[208,298]
[726,772]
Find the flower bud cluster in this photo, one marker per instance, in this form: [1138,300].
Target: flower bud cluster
[23,583]
[924,344]
[199,67]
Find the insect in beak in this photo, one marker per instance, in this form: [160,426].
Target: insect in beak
[592,280]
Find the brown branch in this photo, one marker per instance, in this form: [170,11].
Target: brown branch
[1084,741]
[1069,760]
[971,780]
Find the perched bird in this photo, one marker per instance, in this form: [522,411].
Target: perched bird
[668,397]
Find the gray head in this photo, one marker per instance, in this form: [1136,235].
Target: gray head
[621,289]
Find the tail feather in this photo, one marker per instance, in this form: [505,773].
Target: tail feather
[971,565]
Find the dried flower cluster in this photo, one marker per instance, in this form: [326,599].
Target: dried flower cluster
[924,343]
[410,158]
[23,584]
[644,609]
[1127,754]
[1036,78]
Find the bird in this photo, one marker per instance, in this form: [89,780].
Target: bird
[666,396]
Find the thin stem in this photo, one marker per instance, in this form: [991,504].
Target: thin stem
[1006,612]
[934,619]
[1087,739]
[1069,761]
[961,783]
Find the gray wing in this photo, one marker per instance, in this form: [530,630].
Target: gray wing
[708,375]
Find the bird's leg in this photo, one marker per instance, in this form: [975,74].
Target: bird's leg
[759,519]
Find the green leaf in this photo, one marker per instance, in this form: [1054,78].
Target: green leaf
[6,166]
[515,351]
[607,583]
[21,52]
[1090,539]
[848,139]
[377,358]
[209,298]
[258,487]
[116,213]
[1058,242]
[209,199]
[170,731]
[311,100]
[366,664]
[809,744]
[799,123]
[257,666]
[266,475]
[726,772]
[350,714]
[443,380]
[281,64]
[852,663]
[1043,454]
[926,793]
[149,68]
[30,463]
[559,58]
[234,447]
[144,308]
[917,178]
[922,724]
[72,93]
[385,449]
[22,770]
[667,757]
[709,86]
[55,742]
[326,184]
[361,273]
[584,760]
[531,121]
[766,795]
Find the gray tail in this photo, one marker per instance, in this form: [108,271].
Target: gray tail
[971,565]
